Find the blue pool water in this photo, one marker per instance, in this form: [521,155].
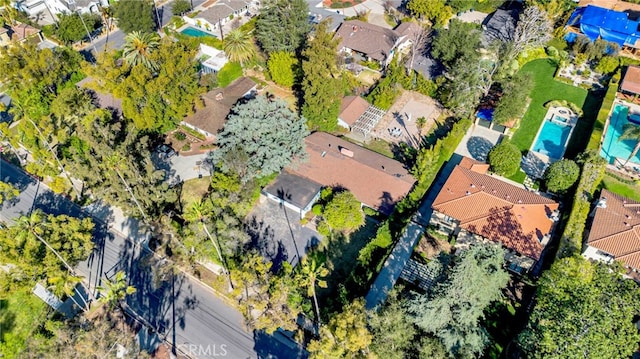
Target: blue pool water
[611,147]
[552,139]
[560,119]
[191,31]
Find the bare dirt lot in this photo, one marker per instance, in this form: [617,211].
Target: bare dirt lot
[399,124]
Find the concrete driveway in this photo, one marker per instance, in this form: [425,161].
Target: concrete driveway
[277,234]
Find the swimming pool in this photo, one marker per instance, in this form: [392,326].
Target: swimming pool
[552,139]
[611,147]
[560,119]
[192,31]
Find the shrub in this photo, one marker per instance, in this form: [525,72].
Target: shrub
[186,147]
[607,65]
[282,67]
[504,159]
[317,209]
[180,136]
[344,212]
[180,7]
[228,73]
[561,175]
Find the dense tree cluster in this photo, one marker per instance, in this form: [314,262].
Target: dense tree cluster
[71,28]
[134,15]
[514,100]
[154,99]
[583,309]
[283,25]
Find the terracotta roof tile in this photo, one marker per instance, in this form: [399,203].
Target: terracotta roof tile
[615,229]
[496,210]
[376,180]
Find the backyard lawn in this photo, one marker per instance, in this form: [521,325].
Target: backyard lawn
[614,185]
[547,89]
[194,189]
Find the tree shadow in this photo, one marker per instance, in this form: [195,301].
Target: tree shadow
[277,345]
[479,148]
[7,319]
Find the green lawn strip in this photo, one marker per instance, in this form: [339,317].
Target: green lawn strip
[21,314]
[544,90]
[378,146]
[623,188]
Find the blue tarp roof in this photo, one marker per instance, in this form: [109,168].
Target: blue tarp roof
[485,114]
[610,25]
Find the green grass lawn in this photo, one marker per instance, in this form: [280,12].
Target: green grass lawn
[20,316]
[194,189]
[614,185]
[547,89]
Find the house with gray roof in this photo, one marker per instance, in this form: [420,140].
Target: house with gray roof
[369,42]
[219,14]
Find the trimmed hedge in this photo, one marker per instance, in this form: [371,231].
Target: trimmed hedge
[571,242]
[603,114]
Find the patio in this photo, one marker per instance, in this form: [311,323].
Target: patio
[477,143]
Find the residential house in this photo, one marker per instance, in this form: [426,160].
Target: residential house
[19,33]
[615,231]
[597,22]
[210,119]
[499,26]
[477,207]
[55,7]
[375,180]
[370,42]
[211,59]
[293,191]
[351,109]
[219,14]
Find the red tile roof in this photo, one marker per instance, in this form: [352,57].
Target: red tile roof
[631,80]
[377,181]
[496,210]
[352,108]
[616,228]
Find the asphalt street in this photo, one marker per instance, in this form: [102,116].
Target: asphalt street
[179,309]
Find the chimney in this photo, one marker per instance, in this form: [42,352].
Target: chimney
[346,152]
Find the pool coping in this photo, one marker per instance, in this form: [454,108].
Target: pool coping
[571,124]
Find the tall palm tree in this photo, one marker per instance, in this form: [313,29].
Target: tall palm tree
[138,47]
[34,225]
[310,275]
[116,290]
[66,283]
[631,132]
[200,212]
[239,46]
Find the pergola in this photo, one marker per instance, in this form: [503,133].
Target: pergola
[368,121]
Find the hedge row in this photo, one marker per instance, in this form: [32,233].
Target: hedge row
[571,242]
[603,114]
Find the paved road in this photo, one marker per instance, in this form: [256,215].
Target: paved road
[187,313]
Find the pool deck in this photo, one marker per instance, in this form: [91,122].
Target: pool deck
[550,116]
